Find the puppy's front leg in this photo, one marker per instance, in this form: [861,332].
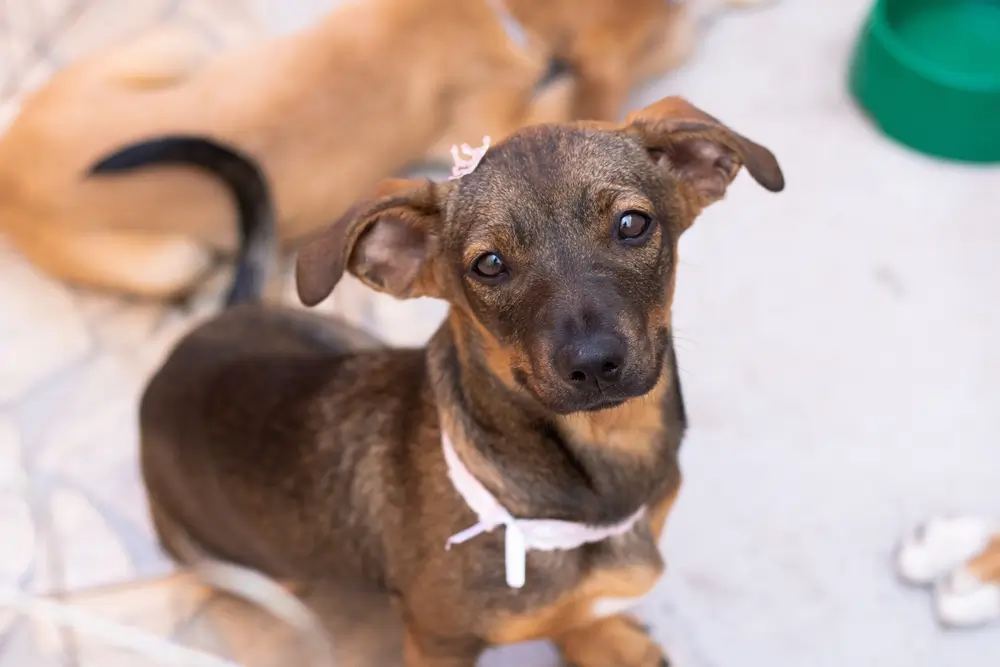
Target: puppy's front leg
[614,641]
[423,649]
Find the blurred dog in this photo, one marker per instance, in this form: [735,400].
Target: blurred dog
[511,480]
[959,557]
[376,86]
[327,112]
[611,46]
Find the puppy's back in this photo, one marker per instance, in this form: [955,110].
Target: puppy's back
[234,409]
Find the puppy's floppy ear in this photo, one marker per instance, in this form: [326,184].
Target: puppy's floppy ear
[383,240]
[699,150]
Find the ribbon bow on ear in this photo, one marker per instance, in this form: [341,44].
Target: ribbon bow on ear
[467,165]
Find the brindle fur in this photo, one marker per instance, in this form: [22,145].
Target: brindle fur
[290,443]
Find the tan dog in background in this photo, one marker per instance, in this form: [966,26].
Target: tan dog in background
[328,111]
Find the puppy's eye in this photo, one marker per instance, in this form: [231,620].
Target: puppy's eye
[632,226]
[489,267]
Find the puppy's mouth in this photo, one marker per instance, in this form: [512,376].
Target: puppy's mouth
[604,403]
[612,397]
[562,402]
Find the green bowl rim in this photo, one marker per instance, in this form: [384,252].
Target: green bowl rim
[928,69]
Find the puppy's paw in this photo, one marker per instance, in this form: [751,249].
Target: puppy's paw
[963,600]
[616,641]
[939,546]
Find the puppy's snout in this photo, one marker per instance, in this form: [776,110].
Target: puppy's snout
[591,362]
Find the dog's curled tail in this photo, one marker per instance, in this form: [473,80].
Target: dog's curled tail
[245,180]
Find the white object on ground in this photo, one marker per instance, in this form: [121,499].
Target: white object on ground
[940,545]
[963,600]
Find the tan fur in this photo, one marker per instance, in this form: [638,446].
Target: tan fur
[610,642]
[613,45]
[986,566]
[328,112]
[570,619]
[501,360]
[629,427]
[573,611]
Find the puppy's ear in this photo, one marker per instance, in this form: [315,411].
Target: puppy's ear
[701,151]
[384,240]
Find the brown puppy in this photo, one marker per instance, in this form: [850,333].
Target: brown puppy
[288,442]
[327,112]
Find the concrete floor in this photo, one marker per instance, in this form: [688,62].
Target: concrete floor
[839,361]
[835,346]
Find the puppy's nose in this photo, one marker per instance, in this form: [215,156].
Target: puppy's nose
[593,361]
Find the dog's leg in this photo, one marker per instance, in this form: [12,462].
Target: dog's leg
[553,104]
[671,49]
[601,90]
[498,110]
[157,266]
[615,641]
[156,59]
[422,649]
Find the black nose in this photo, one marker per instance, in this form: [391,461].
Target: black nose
[593,361]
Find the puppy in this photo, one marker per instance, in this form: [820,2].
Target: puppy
[327,112]
[511,480]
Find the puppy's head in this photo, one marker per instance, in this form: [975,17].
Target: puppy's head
[558,252]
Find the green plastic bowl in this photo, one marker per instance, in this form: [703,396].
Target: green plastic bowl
[928,73]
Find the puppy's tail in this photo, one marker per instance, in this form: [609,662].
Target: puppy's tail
[245,180]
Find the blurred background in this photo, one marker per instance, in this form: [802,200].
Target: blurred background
[837,345]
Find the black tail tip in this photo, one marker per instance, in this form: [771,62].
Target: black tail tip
[135,155]
[247,286]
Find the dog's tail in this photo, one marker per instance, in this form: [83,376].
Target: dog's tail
[245,180]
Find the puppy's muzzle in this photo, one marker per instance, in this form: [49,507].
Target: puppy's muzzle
[591,363]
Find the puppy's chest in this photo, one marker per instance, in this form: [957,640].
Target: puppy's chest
[611,576]
[565,589]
